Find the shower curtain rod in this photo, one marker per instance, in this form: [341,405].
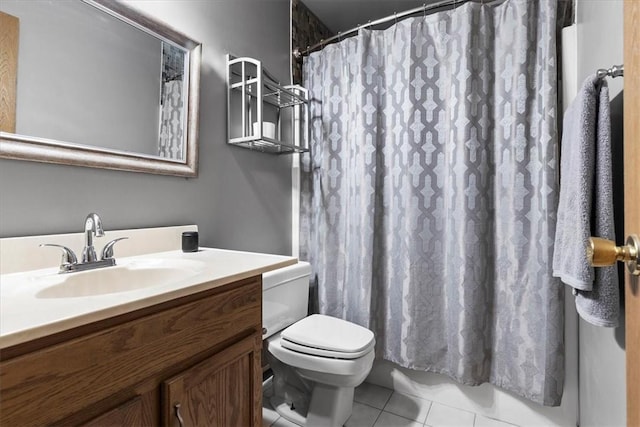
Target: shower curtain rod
[298,54]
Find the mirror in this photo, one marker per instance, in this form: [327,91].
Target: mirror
[99,84]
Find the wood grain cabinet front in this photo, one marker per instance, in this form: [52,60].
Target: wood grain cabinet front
[201,352]
[132,413]
[219,391]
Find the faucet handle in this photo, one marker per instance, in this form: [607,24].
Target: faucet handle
[68,257]
[107,251]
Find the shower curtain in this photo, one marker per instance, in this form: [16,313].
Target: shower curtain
[171,121]
[429,194]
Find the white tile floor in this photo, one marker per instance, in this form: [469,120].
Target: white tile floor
[377,406]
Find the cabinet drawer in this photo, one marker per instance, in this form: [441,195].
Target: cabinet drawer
[51,384]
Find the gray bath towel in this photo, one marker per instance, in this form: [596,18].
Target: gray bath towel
[586,204]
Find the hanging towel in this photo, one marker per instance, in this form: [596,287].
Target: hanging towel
[586,204]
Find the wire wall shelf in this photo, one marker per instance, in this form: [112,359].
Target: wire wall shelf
[262,114]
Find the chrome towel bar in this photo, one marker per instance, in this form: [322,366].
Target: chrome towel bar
[614,71]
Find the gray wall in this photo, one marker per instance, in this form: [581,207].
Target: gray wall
[240,200]
[602,354]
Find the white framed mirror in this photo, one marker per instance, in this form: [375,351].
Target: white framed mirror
[99,84]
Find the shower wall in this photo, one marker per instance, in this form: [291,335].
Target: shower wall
[306,30]
[602,350]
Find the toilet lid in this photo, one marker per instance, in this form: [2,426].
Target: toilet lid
[329,337]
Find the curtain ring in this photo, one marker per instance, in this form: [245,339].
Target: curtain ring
[339,36]
[424,10]
[395,17]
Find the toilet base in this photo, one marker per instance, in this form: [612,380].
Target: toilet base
[283,408]
[329,407]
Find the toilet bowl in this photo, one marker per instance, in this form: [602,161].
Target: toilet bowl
[317,361]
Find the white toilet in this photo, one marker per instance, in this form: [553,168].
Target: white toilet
[317,361]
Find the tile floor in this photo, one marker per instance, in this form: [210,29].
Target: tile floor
[377,406]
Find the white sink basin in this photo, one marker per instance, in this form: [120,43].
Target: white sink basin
[109,280]
[40,302]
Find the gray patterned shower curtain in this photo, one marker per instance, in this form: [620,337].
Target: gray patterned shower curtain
[170,144]
[429,194]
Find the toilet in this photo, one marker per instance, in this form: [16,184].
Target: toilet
[317,360]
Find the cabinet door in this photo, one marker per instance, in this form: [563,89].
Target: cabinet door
[223,390]
[131,413]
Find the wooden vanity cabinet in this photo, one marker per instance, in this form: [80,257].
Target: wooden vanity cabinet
[201,352]
[131,413]
[216,391]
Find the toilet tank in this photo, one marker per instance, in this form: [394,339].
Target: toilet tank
[285,297]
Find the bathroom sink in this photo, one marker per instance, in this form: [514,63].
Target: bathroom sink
[110,280]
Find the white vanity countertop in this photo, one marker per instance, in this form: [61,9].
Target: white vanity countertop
[24,316]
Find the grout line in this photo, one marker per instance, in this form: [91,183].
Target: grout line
[388,399]
[475,414]
[400,416]
[424,423]
[428,412]
[377,418]
[370,406]
[383,406]
[395,415]
[455,407]
[431,402]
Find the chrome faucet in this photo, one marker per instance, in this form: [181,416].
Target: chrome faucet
[92,227]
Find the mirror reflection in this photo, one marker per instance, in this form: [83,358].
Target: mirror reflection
[86,77]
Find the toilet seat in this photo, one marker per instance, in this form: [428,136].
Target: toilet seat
[333,367]
[326,336]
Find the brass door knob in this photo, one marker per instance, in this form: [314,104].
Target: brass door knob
[603,253]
